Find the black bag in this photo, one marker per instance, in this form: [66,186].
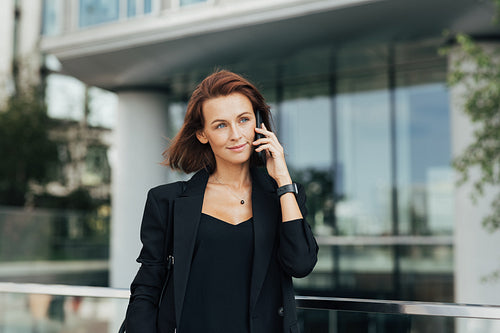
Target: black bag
[170,266]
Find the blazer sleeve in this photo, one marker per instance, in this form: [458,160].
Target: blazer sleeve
[298,250]
[148,283]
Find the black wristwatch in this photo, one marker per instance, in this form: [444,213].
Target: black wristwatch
[286,189]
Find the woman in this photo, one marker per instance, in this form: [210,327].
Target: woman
[237,234]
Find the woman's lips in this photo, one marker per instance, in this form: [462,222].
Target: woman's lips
[238,148]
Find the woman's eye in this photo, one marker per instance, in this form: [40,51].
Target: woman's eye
[244,120]
[220,126]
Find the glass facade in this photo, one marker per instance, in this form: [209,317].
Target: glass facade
[371,140]
[377,131]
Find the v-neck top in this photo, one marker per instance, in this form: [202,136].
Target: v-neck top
[218,290]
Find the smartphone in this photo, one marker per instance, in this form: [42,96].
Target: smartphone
[259,121]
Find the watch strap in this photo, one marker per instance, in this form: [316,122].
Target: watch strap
[287,189]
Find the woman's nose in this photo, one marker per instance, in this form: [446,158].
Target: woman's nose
[235,132]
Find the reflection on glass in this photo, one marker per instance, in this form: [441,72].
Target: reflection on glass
[359,270]
[366,259]
[425,179]
[364,173]
[425,272]
[306,134]
[434,259]
[92,12]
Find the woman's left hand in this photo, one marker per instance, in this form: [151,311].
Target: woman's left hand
[275,156]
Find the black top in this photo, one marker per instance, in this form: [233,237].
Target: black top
[218,289]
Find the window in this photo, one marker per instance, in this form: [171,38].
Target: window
[131,8]
[93,12]
[52,17]
[190,2]
[97,169]
[148,6]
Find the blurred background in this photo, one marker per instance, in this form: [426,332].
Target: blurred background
[369,98]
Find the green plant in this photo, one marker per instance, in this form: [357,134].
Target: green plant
[478,70]
[26,150]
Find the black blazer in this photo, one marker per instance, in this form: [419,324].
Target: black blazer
[281,250]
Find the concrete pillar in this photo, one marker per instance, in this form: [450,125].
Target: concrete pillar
[141,130]
[7,40]
[477,252]
[6,52]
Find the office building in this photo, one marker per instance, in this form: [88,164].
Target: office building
[360,102]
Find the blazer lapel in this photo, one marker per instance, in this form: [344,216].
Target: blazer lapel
[265,223]
[187,212]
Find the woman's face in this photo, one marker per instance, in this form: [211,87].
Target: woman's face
[229,128]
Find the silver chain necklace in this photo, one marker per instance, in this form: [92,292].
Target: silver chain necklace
[242,201]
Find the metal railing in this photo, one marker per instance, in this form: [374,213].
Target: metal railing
[400,307]
[306,302]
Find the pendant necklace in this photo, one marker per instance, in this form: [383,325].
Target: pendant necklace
[242,201]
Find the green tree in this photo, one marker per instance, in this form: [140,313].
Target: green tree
[477,69]
[26,151]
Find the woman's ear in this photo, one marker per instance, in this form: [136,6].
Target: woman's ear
[200,135]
